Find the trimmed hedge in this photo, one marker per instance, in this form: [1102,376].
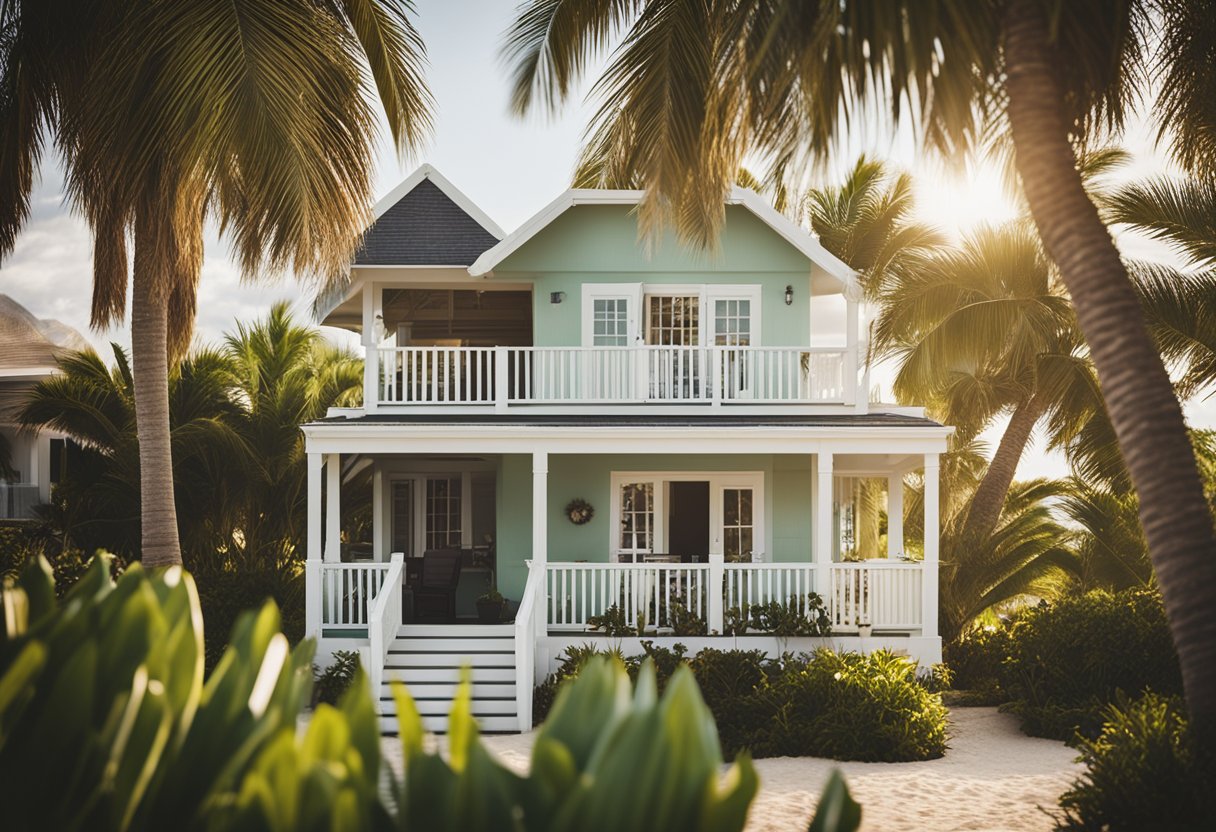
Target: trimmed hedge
[846,706]
[1059,666]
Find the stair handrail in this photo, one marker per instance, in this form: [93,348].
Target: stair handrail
[383,623]
[525,644]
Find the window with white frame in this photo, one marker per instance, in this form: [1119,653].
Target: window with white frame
[673,320]
[610,322]
[738,524]
[732,322]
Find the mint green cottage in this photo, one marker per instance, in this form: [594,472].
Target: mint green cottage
[591,422]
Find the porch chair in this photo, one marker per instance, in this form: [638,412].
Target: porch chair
[435,595]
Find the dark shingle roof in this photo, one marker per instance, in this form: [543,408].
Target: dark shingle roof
[424,228]
[647,420]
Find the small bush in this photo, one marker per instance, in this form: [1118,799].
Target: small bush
[1143,772]
[846,706]
[333,681]
[977,662]
[226,593]
[1068,661]
[612,623]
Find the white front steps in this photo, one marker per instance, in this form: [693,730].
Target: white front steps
[429,660]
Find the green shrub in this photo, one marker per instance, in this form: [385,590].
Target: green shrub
[846,706]
[977,661]
[332,682]
[226,592]
[1142,772]
[612,623]
[1068,661]
[106,723]
[853,706]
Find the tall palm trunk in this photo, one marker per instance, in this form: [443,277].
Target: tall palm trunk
[989,498]
[1139,397]
[150,371]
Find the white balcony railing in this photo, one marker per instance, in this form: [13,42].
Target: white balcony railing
[885,595]
[505,377]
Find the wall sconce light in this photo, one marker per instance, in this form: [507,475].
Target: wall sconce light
[557,297]
[789,295]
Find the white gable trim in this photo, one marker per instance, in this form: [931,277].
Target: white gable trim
[428,171]
[796,236]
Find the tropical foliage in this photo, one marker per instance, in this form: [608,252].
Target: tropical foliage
[847,706]
[691,89]
[254,112]
[112,679]
[235,414]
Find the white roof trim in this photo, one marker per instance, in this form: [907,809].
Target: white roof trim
[796,236]
[428,171]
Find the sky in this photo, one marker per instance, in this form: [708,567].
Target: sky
[510,167]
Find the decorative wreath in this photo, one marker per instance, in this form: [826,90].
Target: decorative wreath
[579,511]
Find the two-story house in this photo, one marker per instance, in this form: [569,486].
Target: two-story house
[593,423]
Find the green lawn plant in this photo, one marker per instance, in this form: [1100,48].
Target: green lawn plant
[106,723]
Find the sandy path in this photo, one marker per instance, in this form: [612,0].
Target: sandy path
[992,778]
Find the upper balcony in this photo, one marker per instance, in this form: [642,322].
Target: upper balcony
[574,313]
[500,379]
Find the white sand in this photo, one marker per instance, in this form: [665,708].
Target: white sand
[992,778]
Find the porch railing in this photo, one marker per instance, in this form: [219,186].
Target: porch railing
[18,500]
[883,595]
[660,595]
[384,622]
[525,645]
[505,377]
[646,593]
[347,592]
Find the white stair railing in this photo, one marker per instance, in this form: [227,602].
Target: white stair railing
[383,624]
[525,645]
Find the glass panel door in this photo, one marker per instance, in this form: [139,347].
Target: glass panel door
[738,524]
[443,512]
[673,323]
[733,328]
[637,520]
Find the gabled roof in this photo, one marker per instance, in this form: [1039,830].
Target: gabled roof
[795,235]
[426,221]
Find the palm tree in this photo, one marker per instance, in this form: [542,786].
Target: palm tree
[867,222]
[239,454]
[253,112]
[696,86]
[978,331]
[1109,543]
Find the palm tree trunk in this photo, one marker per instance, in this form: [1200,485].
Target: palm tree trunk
[150,371]
[1139,396]
[989,498]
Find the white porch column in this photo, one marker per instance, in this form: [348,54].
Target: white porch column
[895,515]
[333,507]
[372,320]
[379,549]
[822,550]
[929,586]
[851,393]
[540,535]
[312,567]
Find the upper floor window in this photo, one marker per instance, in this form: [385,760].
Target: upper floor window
[610,322]
[733,322]
[673,320]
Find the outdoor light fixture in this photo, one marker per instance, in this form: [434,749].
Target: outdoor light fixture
[789,295]
[557,297]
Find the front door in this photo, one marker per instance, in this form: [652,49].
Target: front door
[688,520]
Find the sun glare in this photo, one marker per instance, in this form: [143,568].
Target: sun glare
[957,203]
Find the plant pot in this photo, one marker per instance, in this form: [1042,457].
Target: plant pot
[864,630]
[489,612]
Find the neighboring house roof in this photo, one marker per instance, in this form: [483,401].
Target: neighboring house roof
[32,344]
[427,221]
[794,234]
[29,351]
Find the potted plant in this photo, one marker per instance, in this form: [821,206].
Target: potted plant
[489,607]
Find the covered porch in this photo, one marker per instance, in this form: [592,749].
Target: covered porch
[683,539]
